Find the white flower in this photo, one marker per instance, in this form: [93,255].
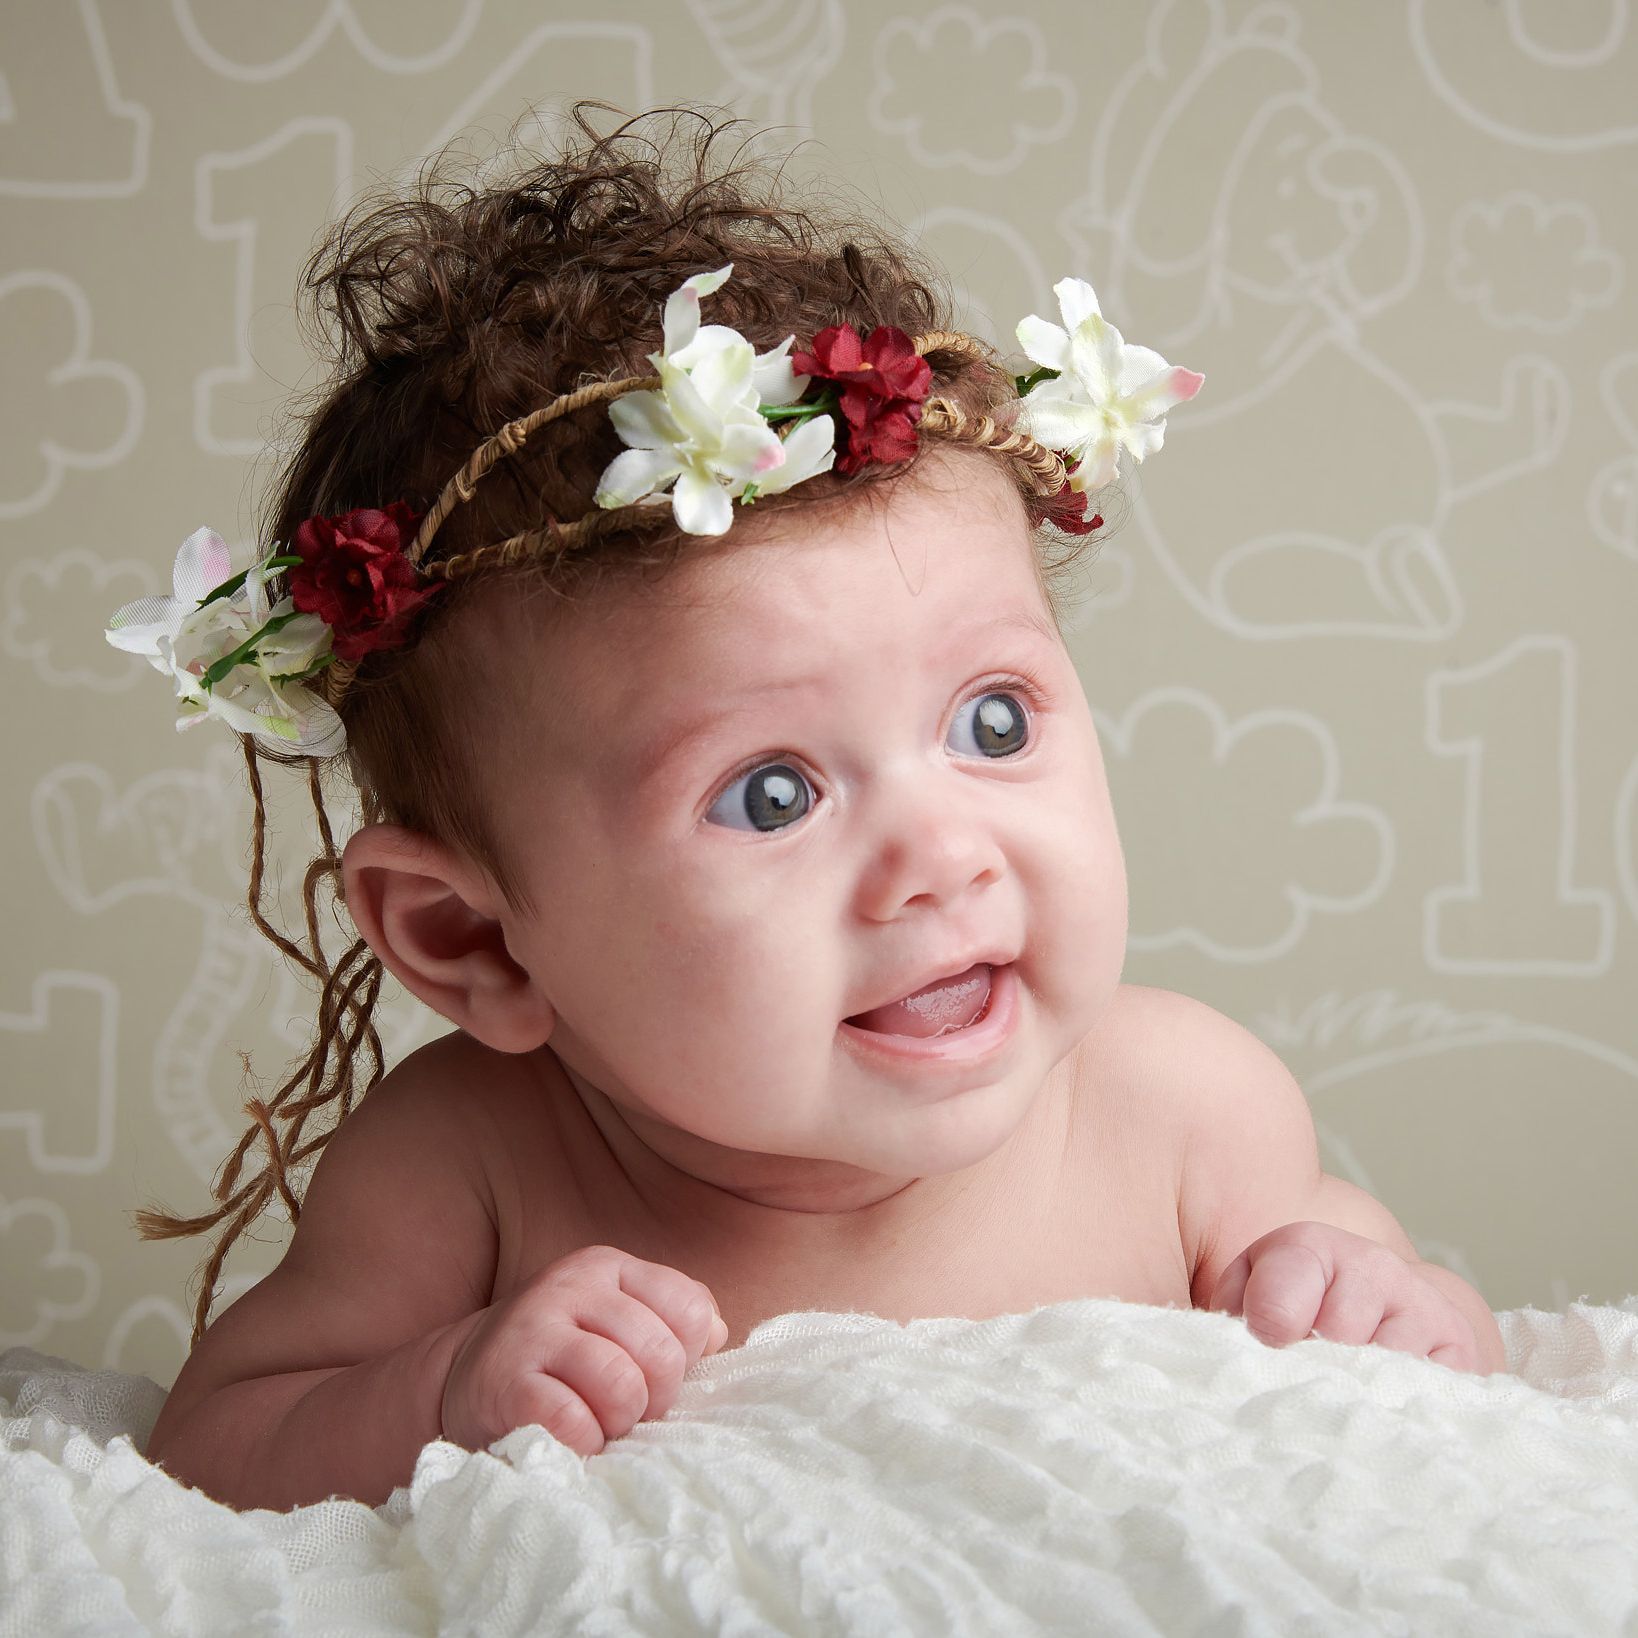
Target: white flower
[702,431]
[202,563]
[184,636]
[1106,395]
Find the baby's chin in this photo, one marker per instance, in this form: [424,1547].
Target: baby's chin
[929,1146]
[844,1141]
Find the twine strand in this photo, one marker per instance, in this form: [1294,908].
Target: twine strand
[508,441]
[345,1022]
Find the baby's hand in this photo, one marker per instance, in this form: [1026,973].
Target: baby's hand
[592,1345]
[1316,1278]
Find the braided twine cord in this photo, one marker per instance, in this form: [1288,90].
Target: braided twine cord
[347,1000]
[941,418]
[350,988]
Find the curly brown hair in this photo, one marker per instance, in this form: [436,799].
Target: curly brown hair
[453,316]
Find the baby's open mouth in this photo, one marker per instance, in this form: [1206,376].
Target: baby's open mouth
[939,1008]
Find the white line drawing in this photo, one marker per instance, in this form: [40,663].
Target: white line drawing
[1316,232]
[1494,242]
[51,93]
[1612,495]
[993,266]
[775,55]
[228,980]
[77,1014]
[333,15]
[166,833]
[1624,822]
[71,363]
[1530,421]
[139,1326]
[1607,96]
[543,60]
[1452,1078]
[1333,1020]
[46,598]
[164,822]
[1339,1157]
[62,1285]
[1305,750]
[217,221]
[1025,103]
[139,1320]
[1465,450]
[1463,926]
[1591,56]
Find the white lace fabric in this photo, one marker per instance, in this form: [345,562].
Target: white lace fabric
[1093,1466]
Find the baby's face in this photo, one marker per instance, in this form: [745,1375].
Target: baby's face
[759,797]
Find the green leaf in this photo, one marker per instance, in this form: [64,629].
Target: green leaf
[227,662]
[1025,382]
[229,587]
[822,405]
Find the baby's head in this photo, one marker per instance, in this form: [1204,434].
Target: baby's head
[816,766]
[676,818]
[672,807]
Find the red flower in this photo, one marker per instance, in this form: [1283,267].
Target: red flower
[355,578]
[883,382]
[1066,510]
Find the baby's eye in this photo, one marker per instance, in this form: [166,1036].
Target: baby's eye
[771,797]
[999,725]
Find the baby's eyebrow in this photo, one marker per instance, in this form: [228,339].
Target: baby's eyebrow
[677,736]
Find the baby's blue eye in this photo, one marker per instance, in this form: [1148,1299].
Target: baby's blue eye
[999,726]
[770,797]
[774,795]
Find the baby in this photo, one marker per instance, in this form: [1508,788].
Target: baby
[744,813]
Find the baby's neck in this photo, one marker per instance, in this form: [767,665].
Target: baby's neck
[676,1179]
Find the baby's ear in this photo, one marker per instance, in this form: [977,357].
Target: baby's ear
[435,922]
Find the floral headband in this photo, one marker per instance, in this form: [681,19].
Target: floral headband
[242,645]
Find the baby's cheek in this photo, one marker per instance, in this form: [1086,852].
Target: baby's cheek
[1077,941]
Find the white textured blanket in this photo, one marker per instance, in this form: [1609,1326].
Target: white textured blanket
[1092,1467]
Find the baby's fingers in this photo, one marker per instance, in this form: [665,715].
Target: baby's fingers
[1432,1328]
[1354,1305]
[1281,1292]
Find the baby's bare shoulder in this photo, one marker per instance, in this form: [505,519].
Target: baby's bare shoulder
[395,1237]
[458,1072]
[501,1100]
[1149,1064]
[1230,1108]
[1168,1054]
[1147,1044]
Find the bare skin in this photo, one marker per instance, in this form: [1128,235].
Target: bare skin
[1080,1202]
[839,755]
[662,1026]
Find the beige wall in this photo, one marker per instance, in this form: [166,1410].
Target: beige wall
[1363,659]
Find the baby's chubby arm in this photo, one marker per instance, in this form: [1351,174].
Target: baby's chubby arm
[1256,1211]
[377,1333]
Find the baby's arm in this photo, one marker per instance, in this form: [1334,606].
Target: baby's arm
[1250,1165]
[376,1334]
[327,1376]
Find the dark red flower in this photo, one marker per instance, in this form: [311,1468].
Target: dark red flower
[1066,509]
[883,382]
[354,576]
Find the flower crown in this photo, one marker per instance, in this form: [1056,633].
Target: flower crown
[719,422]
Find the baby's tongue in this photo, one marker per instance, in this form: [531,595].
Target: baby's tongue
[950,1004]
